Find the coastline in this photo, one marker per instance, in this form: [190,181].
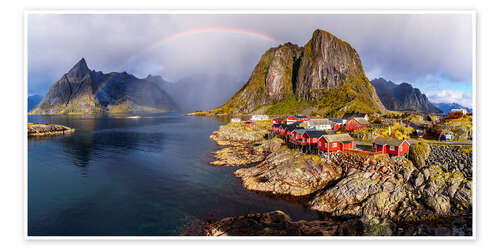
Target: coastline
[379,190]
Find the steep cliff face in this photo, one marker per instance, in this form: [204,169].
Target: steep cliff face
[82,90]
[403,97]
[271,80]
[326,64]
[384,92]
[325,76]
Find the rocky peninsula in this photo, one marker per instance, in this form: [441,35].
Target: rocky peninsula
[427,193]
[38,129]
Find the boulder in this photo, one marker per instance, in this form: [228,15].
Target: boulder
[419,152]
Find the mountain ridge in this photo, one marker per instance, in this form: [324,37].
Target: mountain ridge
[447,107]
[82,90]
[402,97]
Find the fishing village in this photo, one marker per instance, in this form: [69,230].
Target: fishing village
[402,173]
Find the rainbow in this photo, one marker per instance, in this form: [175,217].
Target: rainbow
[103,84]
[216,29]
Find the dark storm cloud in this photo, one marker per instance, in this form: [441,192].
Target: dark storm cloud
[398,47]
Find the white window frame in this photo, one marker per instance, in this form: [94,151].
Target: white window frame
[334,145]
[391,148]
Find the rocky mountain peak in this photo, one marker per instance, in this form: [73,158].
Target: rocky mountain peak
[81,90]
[79,70]
[325,73]
[156,79]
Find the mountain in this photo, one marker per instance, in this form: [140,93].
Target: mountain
[82,90]
[402,97]
[323,77]
[200,91]
[447,107]
[33,101]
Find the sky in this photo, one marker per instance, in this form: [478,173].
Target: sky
[433,52]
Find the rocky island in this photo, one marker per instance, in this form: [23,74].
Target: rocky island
[37,129]
[422,191]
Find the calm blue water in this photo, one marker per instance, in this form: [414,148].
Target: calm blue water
[121,176]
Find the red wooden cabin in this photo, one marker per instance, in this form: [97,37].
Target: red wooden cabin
[311,137]
[356,123]
[391,146]
[337,142]
[248,124]
[287,129]
[296,118]
[337,123]
[296,136]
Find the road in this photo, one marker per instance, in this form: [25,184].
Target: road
[444,142]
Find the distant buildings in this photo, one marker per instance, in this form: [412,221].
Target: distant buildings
[319,134]
[259,117]
[235,120]
[348,116]
[277,121]
[457,113]
[296,118]
[463,111]
[319,124]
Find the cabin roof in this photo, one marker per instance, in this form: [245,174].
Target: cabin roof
[322,121]
[337,137]
[335,120]
[355,114]
[290,127]
[299,130]
[388,141]
[315,133]
[361,121]
[298,116]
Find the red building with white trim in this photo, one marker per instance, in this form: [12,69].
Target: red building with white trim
[311,137]
[391,146]
[356,123]
[296,118]
[337,142]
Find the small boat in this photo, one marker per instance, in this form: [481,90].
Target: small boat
[134,117]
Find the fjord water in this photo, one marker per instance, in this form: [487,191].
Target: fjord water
[121,176]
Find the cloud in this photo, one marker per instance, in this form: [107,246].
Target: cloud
[450,96]
[401,48]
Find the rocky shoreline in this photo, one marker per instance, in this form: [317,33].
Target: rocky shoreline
[38,129]
[417,194]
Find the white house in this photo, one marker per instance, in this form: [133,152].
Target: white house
[348,116]
[319,124]
[463,111]
[259,117]
[235,120]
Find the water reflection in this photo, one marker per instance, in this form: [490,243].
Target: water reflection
[121,176]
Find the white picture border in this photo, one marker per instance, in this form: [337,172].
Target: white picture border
[473,15]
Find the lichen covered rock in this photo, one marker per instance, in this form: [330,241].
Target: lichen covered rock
[419,152]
